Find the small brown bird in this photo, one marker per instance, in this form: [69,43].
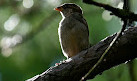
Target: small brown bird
[73,30]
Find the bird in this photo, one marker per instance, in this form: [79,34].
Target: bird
[73,30]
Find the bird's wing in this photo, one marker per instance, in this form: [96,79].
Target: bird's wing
[82,20]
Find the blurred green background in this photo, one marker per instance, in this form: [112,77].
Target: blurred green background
[29,40]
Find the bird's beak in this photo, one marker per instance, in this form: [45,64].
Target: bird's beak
[58,8]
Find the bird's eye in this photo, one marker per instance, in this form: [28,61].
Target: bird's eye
[64,6]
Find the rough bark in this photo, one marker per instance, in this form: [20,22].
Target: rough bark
[125,49]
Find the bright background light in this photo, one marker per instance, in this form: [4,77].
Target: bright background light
[12,22]
[28,3]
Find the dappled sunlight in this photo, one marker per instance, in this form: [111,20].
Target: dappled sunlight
[25,28]
[106,15]
[53,2]
[28,3]
[6,52]
[8,42]
[12,22]
[16,39]
[120,5]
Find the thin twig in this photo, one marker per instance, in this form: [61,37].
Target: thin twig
[106,51]
[125,21]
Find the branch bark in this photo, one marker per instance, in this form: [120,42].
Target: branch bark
[76,67]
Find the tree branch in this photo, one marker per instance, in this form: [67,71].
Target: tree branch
[123,14]
[76,67]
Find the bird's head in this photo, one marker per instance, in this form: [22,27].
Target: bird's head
[69,8]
